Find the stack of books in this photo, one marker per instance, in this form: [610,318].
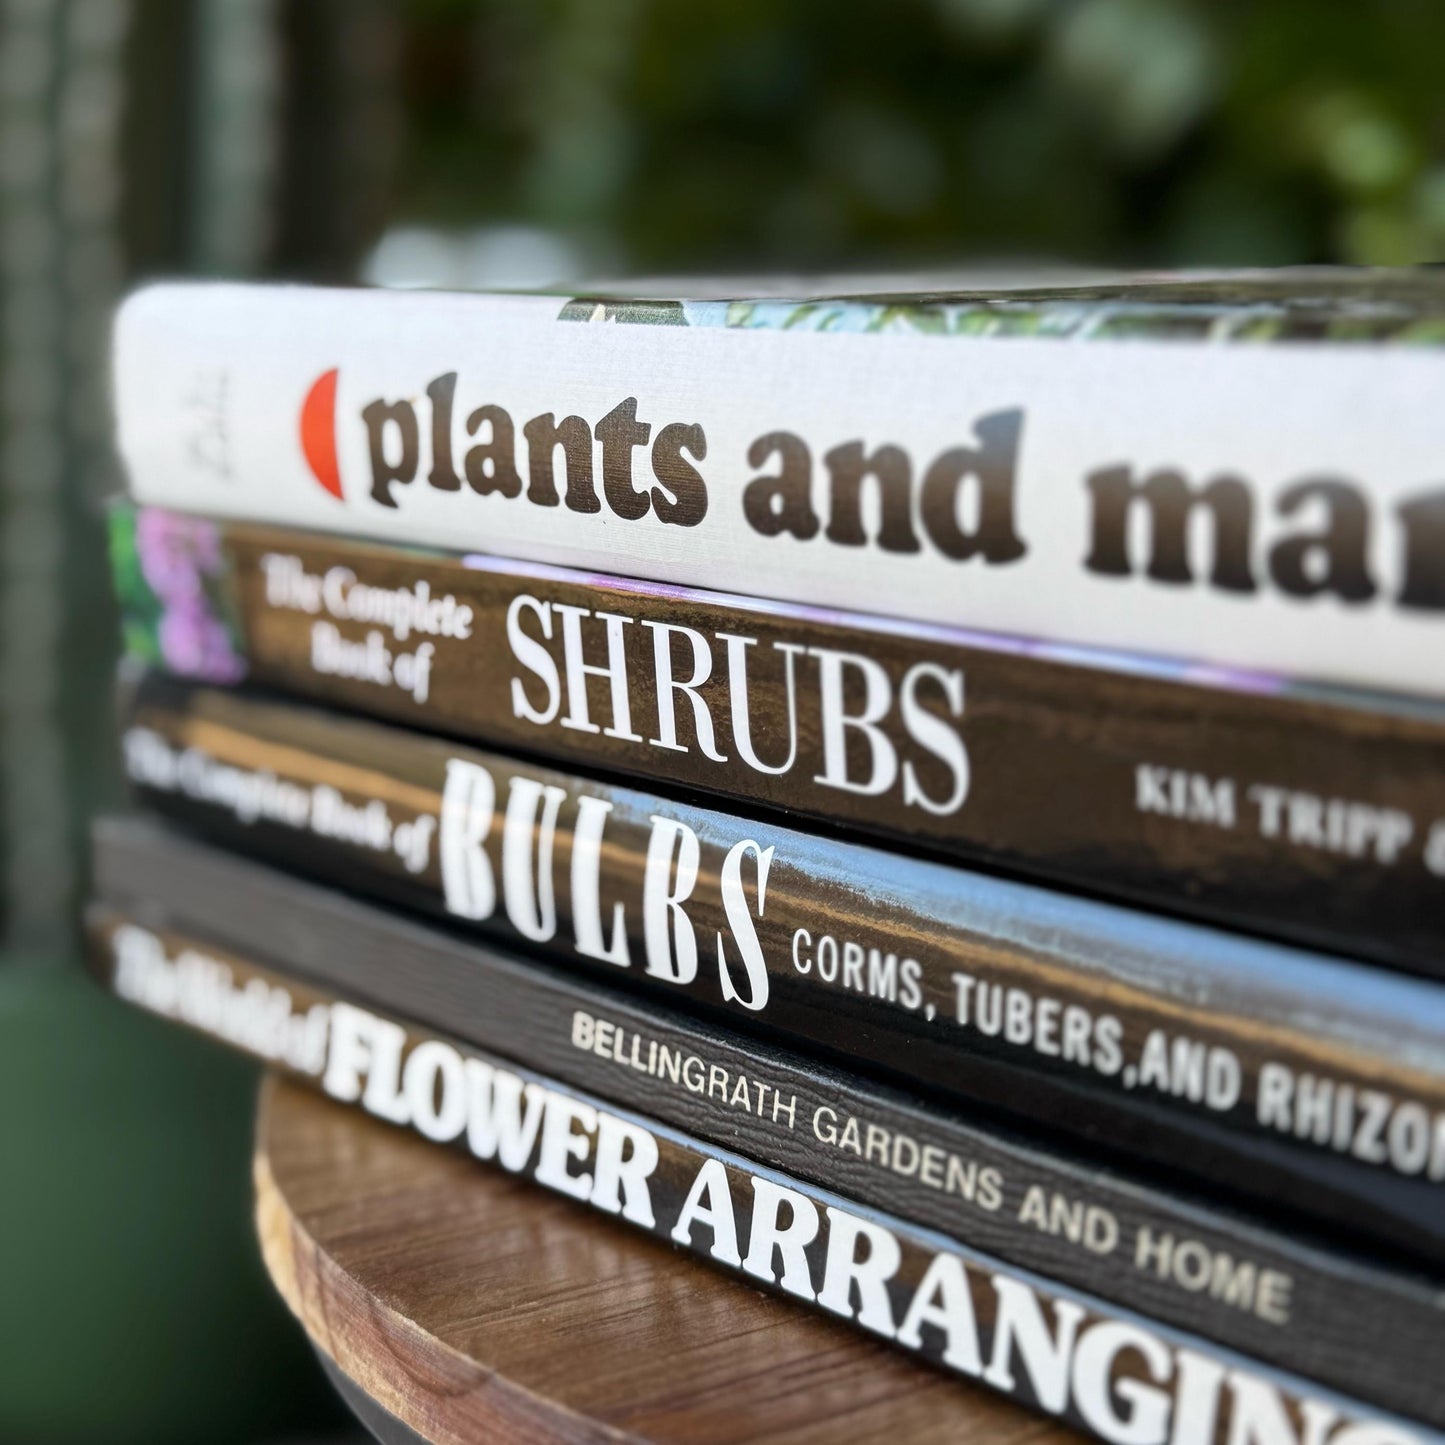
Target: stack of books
[933,803]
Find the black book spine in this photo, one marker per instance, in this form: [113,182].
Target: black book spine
[1267,1291]
[1119,1376]
[1312,816]
[1285,1077]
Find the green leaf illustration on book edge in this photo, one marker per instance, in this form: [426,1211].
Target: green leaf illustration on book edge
[1082,313]
[140,609]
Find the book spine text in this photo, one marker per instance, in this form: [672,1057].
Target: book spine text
[1192,791]
[1274,507]
[1108,1372]
[1007,995]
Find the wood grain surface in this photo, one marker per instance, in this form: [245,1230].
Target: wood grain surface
[472,1306]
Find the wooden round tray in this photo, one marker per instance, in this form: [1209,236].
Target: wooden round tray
[460,1305]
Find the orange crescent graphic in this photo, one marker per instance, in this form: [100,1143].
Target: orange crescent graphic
[318,432]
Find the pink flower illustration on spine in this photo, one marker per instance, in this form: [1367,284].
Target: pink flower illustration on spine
[179,556]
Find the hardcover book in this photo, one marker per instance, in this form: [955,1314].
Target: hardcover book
[1319,817]
[1296,1085]
[1121,1377]
[1246,473]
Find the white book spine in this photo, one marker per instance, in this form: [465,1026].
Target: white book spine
[1279,507]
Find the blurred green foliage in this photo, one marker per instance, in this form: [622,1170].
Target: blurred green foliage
[750,132]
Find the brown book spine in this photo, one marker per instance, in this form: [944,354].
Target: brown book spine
[1234,798]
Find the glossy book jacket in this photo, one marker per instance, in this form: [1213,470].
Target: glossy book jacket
[1261,804]
[1246,472]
